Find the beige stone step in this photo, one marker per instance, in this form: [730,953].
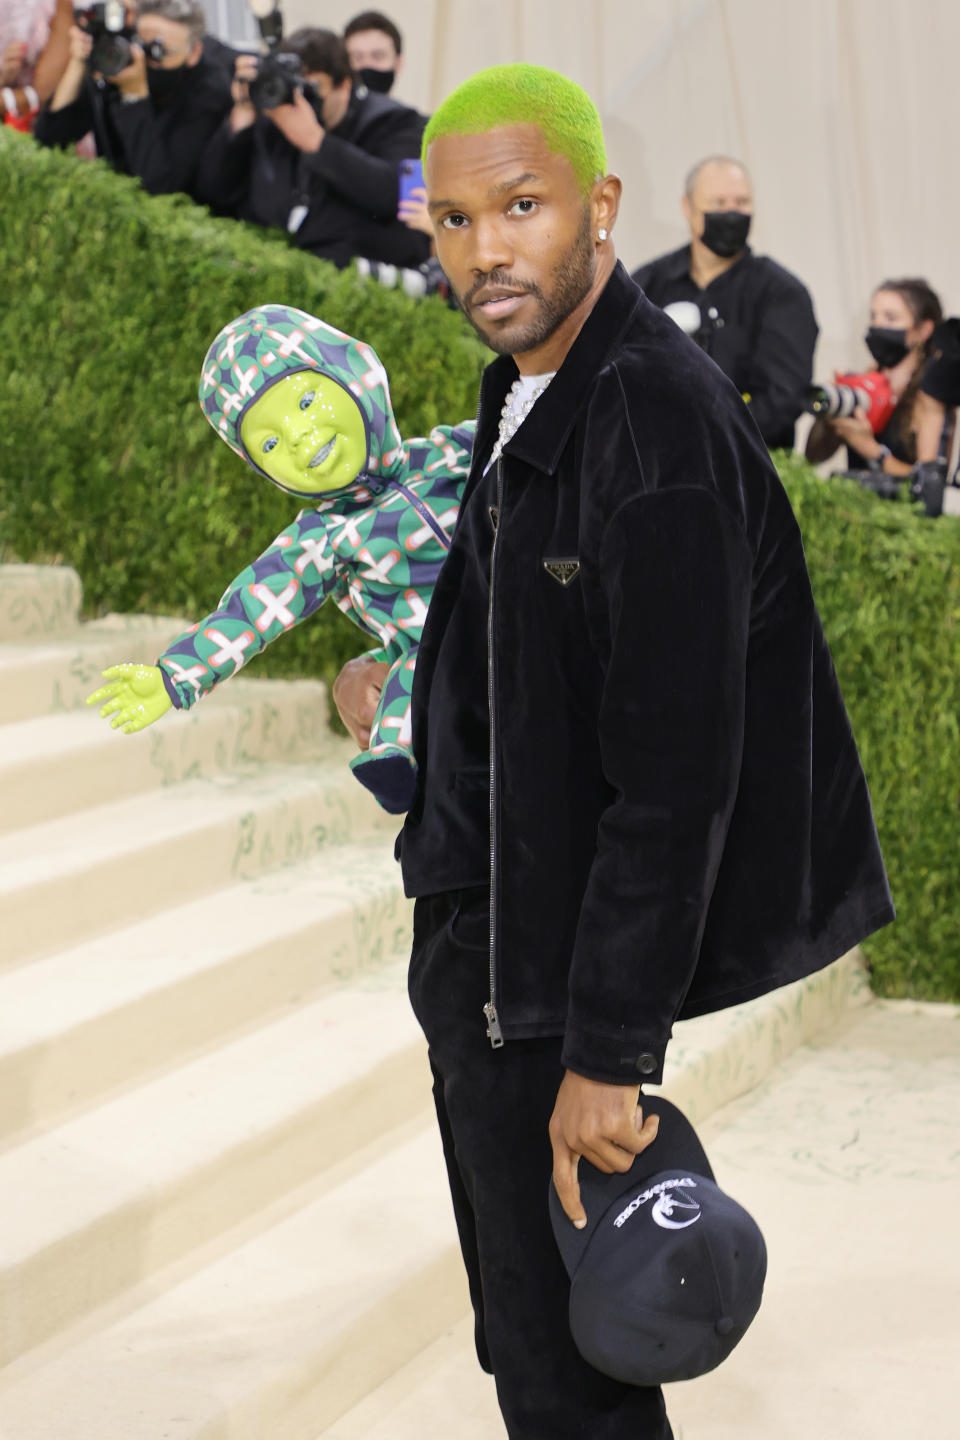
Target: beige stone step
[107,1199]
[268,1341]
[72,878]
[441,1394]
[53,765]
[276,1339]
[113,1010]
[38,600]
[47,674]
[716,1058]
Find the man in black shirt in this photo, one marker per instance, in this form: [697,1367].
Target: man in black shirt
[153,118]
[755,319]
[323,167]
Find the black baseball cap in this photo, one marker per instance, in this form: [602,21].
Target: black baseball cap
[668,1272]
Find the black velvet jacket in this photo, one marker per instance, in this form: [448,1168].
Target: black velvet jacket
[669,802]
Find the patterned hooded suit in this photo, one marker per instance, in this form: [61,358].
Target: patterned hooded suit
[376,545]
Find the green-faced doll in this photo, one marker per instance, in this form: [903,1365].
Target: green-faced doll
[309,409]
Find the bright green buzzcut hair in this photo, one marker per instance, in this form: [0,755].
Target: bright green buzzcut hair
[527,95]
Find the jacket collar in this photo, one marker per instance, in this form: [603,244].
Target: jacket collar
[543,435]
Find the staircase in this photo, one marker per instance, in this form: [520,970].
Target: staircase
[225,1214]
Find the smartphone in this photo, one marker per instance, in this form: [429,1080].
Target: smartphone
[410,177]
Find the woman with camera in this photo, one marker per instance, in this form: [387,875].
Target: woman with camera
[903,317]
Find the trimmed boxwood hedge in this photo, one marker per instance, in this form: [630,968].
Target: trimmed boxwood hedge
[111,298]
[887,584]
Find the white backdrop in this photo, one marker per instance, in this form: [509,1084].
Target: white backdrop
[845,112]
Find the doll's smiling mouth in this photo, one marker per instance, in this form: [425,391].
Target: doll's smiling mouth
[322,454]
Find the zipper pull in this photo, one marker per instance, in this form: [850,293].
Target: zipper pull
[494,1033]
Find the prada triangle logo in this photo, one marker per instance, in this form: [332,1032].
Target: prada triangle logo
[563,571]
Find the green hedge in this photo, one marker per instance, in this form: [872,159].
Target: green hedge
[111,298]
[106,462]
[887,583]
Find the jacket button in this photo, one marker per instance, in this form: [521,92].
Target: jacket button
[646,1063]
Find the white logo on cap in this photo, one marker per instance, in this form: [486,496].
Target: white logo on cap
[663,1189]
[685,1206]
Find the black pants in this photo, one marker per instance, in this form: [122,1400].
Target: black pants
[494,1107]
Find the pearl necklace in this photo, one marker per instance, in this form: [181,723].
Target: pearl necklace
[512,416]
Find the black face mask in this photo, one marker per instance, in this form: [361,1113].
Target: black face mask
[379,81]
[887,346]
[725,231]
[168,85]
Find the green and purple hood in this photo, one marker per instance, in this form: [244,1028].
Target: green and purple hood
[270,342]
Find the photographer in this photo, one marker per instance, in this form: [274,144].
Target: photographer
[152,92]
[321,163]
[756,320]
[903,317]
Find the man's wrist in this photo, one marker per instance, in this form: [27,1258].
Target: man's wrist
[312,145]
[136,90]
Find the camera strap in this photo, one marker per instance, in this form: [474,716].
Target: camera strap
[300,197]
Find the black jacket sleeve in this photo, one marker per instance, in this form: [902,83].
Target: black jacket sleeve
[68,125]
[164,151]
[781,362]
[676,572]
[367,176]
[223,175]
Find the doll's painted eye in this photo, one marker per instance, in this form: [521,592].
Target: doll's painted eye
[270,444]
[307,399]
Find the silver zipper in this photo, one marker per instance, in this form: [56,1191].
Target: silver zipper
[424,512]
[494,1032]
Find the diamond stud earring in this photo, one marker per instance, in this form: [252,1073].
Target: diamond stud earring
[601,234]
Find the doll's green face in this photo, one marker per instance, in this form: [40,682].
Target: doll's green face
[307,433]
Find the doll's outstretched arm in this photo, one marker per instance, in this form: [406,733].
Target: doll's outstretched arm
[135,697]
[288,582]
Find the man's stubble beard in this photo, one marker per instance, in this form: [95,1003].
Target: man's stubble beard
[572,278]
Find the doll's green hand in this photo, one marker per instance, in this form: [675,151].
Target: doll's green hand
[136,696]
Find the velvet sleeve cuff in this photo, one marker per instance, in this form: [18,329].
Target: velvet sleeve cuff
[613,1060]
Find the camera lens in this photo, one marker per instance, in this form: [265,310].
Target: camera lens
[110,55]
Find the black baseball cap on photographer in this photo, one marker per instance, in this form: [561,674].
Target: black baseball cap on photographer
[668,1272]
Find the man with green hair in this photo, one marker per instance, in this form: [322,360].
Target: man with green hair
[638,795]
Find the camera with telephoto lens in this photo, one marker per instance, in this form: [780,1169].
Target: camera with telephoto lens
[106,22]
[870,392]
